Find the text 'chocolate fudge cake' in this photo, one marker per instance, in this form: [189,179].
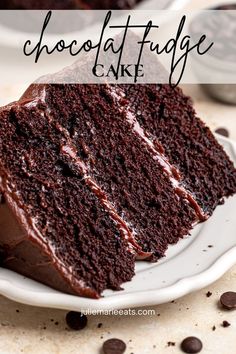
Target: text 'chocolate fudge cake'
[94,177]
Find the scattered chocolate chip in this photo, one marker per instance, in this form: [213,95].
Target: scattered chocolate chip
[56,323]
[76,320]
[208,294]
[17,311]
[171,344]
[214,328]
[222,131]
[99,325]
[228,300]
[114,346]
[225,324]
[210,246]
[191,345]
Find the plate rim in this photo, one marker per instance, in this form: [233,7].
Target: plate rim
[146,298]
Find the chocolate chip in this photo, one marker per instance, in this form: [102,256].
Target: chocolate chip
[208,294]
[114,346]
[191,345]
[222,131]
[228,300]
[225,324]
[99,325]
[214,328]
[76,320]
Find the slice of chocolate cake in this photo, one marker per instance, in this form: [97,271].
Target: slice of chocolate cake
[96,175]
[68,4]
[53,227]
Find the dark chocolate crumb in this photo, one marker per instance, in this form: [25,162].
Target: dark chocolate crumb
[222,131]
[214,328]
[56,323]
[114,346]
[171,344]
[52,320]
[210,246]
[191,345]
[99,325]
[76,320]
[17,311]
[225,324]
[208,294]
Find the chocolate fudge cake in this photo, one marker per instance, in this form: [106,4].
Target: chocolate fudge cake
[68,4]
[94,177]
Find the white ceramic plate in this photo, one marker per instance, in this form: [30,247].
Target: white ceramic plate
[188,266]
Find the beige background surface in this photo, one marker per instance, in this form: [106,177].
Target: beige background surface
[25,329]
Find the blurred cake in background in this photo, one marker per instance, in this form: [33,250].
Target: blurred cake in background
[68,4]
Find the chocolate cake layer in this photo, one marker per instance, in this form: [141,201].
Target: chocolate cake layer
[168,116]
[64,229]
